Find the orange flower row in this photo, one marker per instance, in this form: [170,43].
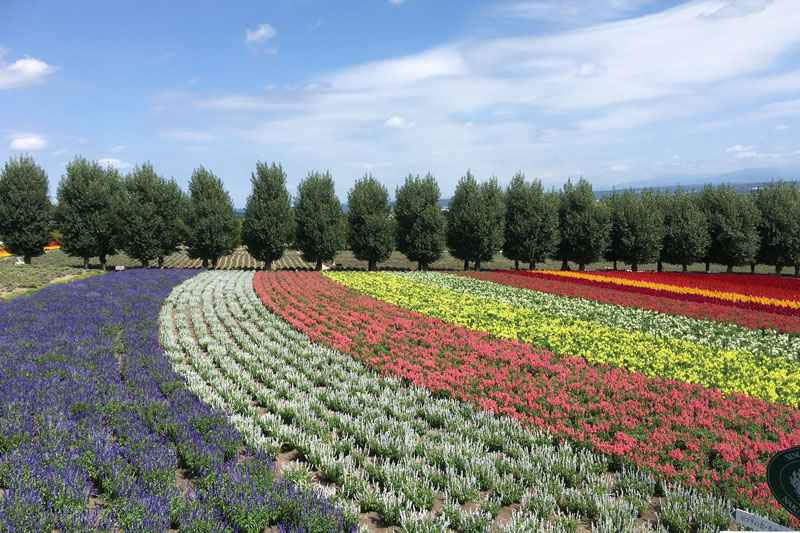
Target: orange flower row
[735,297]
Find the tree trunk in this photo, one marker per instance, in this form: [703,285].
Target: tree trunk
[685,268]
[214,263]
[466,265]
[319,265]
[516,264]
[478,265]
[635,266]
[205,263]
[797,271]
[145,263]
[581,267]
[27,259]
[532,266]
[86,263]
[160,261]
[103,261]
[660,266]
[615,264]
[778,269]
[564,265]
[752,268]
[373,265]
[419,265]
[708,267]
[268,265]
[730,269]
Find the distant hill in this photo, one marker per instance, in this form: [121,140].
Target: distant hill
[743,176]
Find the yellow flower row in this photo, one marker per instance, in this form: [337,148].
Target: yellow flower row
[770,378]
[722,295]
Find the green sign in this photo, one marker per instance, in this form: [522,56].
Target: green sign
[783,478]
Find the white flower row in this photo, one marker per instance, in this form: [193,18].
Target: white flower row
[386,446]
[715,334]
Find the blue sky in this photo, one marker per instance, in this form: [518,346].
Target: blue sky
[612,90]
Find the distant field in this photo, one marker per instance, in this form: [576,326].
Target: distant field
[241,259]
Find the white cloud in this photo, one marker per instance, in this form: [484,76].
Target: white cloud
[258,36]
[579,11]
[60,152]
[116,163]
[620,167]
[781,127]
[28,142]
[164,57]
[739,148]
[28,71]
[749,154]
[193,80]
[399,122]
[396,2]
[269,86]
[188,135]
[371,166]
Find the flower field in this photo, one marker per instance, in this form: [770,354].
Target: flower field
[676,430]
[98,434]
[417,459]
[419,401]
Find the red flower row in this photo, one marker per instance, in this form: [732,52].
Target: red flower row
[752,284]
[660,303]
[676,430]
[695,298]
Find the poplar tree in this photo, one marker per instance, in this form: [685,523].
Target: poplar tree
[371,231]
[88,199]
[476,220]
[421,225]
[211,228]
[779,225]
[732,218]
[25,209]
[583,225]
[268,224]
[318,214]
[637,227]
[686,236]
[531,225]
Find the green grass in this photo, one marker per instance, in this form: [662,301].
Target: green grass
[56,259]
[16,280]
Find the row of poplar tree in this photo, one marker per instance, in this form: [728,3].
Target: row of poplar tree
[148,217]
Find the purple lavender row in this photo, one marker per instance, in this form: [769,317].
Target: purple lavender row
[94,424]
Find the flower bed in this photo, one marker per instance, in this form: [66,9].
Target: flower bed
[98,434]
[391,448]
[709,333]
[690,294]
[772,379]
[707,311]
[677,430]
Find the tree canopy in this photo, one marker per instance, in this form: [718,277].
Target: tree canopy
[421,226]
[370,230]
[25,209]
[318,214]
[268,225]
[732,218]
[211,226]
[531,225]
[583,225]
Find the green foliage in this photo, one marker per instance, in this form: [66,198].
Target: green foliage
[637,227]
[150,219]
[268,224]
[732,219]
[88,199]
[371,231]
[210,221]
[531,228]
[25,209]
[318,214]
[475,220]
[421,225]
[779,226]
[583,225]
[686,236]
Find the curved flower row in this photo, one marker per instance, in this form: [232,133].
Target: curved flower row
[758,284]
[677,430]
[714,334]
[773,305]
[745,318]
[387,446]
[95,427]
[772,379]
